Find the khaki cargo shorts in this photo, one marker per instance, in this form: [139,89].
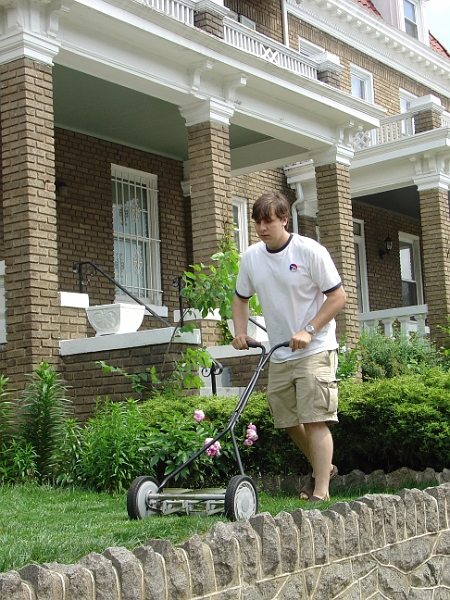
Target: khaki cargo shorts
[304,390]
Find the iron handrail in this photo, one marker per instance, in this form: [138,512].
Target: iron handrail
[77,269]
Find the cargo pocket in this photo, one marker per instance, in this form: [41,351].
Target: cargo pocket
[326,396]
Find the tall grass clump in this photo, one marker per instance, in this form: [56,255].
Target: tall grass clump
[42,410]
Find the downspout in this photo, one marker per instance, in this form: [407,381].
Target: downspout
[284,21]
[300,200]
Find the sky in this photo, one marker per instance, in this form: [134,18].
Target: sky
[438,14]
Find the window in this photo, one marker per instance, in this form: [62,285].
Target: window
[410,269]
[362,288]
[136,234]
[409,11]
[240,223]
[362,83]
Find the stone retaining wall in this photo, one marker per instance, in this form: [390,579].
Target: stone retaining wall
[379,546]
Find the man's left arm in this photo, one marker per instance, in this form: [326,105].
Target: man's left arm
[335,300]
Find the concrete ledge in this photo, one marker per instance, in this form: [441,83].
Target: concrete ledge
[118,341]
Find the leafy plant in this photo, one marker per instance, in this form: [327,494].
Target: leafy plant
[176,440]
[111,457]
[383,356]
[43,408]
[209,288]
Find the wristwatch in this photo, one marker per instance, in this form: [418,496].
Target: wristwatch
[310,329]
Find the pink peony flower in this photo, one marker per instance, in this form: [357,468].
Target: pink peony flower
[248,442]
[199,415]
[214,449]
[251,434]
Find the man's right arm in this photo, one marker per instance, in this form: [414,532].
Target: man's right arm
[240,321]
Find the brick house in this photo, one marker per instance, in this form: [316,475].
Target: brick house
[134,130]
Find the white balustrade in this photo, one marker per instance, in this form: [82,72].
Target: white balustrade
[255,43]
[410,318]
[391,128]
[182,11]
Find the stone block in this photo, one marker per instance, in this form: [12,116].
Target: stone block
[365,524]
[78,581]
[350,533]
[154,572]
[250,552]
[289,539]
[129,571]
[105,576]
[176,567]
[46,584]
[201,566]
[265,527]
[12,587]
[225,552]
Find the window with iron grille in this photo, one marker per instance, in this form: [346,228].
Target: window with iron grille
[137,262]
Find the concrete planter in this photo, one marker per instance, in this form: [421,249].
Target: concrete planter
[115,318]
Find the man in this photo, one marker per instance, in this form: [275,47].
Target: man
[300,292]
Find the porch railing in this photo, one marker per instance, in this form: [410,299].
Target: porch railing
[410,319]
[391,128]
[264,47]
[182,11]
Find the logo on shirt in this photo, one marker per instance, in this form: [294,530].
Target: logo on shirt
[293,267]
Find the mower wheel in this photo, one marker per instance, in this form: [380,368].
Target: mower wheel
[241,498]
[137,497]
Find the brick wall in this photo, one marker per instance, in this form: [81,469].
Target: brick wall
[87,381]
[85,227]
[266,15]
[383,275]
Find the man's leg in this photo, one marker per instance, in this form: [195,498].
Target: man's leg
[300,439]
[320,444]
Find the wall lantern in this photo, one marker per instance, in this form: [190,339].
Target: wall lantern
[61,188]
[387,246]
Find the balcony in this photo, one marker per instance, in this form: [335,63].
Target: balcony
[391,129]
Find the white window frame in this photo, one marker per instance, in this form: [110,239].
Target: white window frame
[367,78]
[407,21]
[360,250]
[421,21]
[153,296]
[414,241]
[242,225]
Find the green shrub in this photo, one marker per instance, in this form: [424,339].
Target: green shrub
[399,422]
[110,446]
[383,356]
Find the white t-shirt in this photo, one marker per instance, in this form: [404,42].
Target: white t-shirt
[290,283]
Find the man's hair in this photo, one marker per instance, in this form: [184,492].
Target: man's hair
[271,203]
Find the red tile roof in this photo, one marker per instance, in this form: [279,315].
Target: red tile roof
[438,47]
[369,5]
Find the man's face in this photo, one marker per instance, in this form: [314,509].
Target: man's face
[272,231]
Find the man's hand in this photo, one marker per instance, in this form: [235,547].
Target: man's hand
[240,342]
[300,340]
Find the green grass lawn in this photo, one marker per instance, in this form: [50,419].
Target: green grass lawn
[44,524]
